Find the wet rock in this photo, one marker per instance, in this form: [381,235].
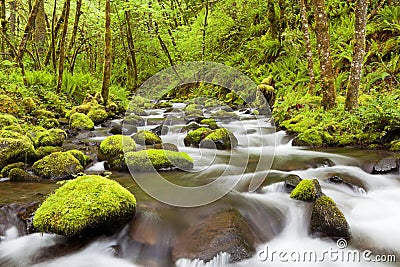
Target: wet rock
[307,190]
[386,165]
[134,120]
[126,129]
[166,146]
[223,115]
[291,182]
[335,179]
[220,139]
[191,126]
[328,221]
[18,215]
[160,130]
[193,138]
[226,231]
[115,145]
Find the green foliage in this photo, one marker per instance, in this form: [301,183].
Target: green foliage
[115,145]
[83,203]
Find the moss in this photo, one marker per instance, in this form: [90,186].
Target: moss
[29,104]
[134,120]
[7,120]
[7,105]
[33,132]
[82,204]
[265,88]
[395,145]
[145,137]
[221,138]
[136,110]
[115,145]
[52,137]
[139,101]
[15,135]
[43,113]
[15,128]
[14,150]
[146,160]
[48,123]
[80,121]
[98,115]
[43,151]
[306,190]
[6,170]
[58,165]
[193,138]
[193,107]
[19,175]
[267,81]
[211,123]
[79,155]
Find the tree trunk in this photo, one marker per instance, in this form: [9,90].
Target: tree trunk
[22,46]
[13,18]
[358,55]
[62,46]
[131,47]
[306,32]
[3,24]
[162,44]
[78,14]
[272,20]
[205,23]
[39,36]
[323,45]
[107,54]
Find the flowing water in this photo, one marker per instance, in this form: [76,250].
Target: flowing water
[370,203]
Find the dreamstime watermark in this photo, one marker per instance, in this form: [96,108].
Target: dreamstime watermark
[162,84]
[340,253]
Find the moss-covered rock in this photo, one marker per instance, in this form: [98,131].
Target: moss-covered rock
[193,138]
[98,115]
[79,155]
[20,175]
[80,121]
[145,137]
[327,220]
[14,135]
[84,206]
[7,105]
[29,104]
[7,120]
[6,170]
[42,113]
[52,137]
[223,115]
[48,123]
[15,128]
[136,110]
[57,166]
[220,138]
[43,151]
[148,160]
[14,150]
[307,190]
[115,145]
[134,120]
[211,123]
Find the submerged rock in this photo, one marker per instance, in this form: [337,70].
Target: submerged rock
[87,205]
[160,130]
[57,166]
[226,231]
[386,165]
[328,221]
[307,190]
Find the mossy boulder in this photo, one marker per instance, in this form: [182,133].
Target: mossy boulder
[57,166]
[220,139]
[148,160]
[42,113]
[86,205]
[327,220]
[6,170]
[134,120]
[7,120]
[48,123]
[145,137]
[192,107]
[193,138]
[137,111]
[15,150]
[307,190]
[115,145]
[14,135]
[80,156]
[80,121]
[98,115]
[20,175]
[211,123]
[43,151]
[52,137]
[7,105]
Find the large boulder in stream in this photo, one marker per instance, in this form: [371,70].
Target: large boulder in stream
[207,138]
[226,231]
[386,165]
[58,166]
[87,205]
[115,145]
[327,220]
[307,190]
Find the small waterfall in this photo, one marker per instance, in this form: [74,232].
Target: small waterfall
[222,259]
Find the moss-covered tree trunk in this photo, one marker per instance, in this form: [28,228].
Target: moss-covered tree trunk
[78,14]
[62,46]
[323,45]
[39,36]
[358,55]
[107,54]
[3,25]
[306,33]
[131,47]
[272,20]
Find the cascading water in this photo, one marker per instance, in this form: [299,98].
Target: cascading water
[370,205]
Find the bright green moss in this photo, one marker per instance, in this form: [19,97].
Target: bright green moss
[7,105]
[6,170]
[80,121]
[43,113]
[14,135]
[58,165]
[98,115]
[147,160]
[7,120]
[79,155]
[14,150]
[114,145]
[305,190]
[48,123]
[43,151]
[20,175]
[52,137]
[29,104]
[222,138]
[83,204]
[33,132]
[193,138]
[212,124]
[193,107]
[145,137]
